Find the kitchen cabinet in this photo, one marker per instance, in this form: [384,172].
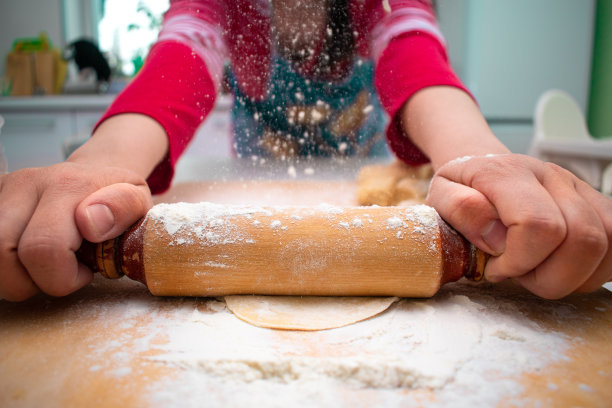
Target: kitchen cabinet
[35,128]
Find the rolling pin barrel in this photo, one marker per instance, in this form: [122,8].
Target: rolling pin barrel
[213,250]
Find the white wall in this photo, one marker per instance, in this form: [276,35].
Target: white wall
[509,52]
[27,18]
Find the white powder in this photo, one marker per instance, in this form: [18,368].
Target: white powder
[423,220]
[215,224]
[423,215]
[463,159]
[210,223]
[464,337]
[395,223]
[460,160]
[329,209]
[215,264]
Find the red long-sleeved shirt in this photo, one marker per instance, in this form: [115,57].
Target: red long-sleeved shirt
[179,81]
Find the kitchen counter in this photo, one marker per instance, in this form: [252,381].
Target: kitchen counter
[113,344]
[56,102]
[41,130]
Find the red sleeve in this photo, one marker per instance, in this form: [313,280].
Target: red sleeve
[175,89]
[178,82]
[410,62]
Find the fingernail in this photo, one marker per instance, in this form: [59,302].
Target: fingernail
[101,218]
[494,235]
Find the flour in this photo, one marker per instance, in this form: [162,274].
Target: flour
[464,159]
[423,215]
[231,227]
[206,221]
[395,222]
[213,224]
[451,344]
[357,222]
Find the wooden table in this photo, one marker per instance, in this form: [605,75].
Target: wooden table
[102,345]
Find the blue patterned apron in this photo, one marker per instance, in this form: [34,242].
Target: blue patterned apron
[309,118]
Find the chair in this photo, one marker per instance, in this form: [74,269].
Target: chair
[561,136]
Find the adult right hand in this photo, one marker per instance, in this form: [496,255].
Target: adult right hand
[46,212]
[546,229]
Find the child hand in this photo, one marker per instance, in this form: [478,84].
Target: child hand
[545,228]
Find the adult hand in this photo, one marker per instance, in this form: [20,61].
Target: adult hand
[46,212]
[543,226]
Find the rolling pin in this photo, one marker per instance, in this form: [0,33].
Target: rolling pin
[207,249]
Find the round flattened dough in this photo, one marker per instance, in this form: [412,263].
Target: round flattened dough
[306,313]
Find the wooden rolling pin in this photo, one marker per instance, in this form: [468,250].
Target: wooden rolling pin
[206,249]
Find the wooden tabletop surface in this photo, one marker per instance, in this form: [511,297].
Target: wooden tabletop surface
[102,345]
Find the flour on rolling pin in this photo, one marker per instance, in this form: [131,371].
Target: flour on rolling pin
[211,223]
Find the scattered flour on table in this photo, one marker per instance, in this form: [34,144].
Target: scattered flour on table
[453,344]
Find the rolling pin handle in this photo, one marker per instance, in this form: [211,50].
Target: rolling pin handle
[117,257]
[100,258]
[460,257]
[478,261]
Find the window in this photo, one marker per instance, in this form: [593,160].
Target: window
[123,29]
[127,30]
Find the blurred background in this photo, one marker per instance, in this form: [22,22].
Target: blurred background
[508,52]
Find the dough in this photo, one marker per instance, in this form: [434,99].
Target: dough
[392,184]
[306,313]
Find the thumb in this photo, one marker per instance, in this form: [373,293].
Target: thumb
[109,211]
[469,212]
